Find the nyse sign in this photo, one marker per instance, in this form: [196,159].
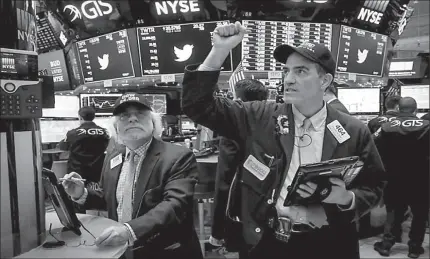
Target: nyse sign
[56,71]
[370,16]
[89,9]
[173,7]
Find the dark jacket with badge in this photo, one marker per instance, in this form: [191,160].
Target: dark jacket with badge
[86,145]
[253,126]
[404,147]
[375,123]
[163,200]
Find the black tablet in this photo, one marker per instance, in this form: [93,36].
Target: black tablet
[61,202]
[346,168]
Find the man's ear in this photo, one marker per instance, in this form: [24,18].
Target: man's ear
[326,81]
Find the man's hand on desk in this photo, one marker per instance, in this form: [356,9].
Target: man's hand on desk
[113,236]
[338,195]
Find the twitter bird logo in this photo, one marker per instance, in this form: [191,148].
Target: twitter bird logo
[362,55]
[184,53]
[104,62]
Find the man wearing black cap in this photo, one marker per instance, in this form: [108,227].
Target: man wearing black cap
[408,176]
[276,139]
[87,145]
[147,184]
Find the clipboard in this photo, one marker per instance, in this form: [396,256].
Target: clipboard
[346,168]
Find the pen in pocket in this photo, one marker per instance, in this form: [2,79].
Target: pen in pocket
[271,159]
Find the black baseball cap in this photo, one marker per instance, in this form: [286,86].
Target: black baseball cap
[315,52]
[130,98]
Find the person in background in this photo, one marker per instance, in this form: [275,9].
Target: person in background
[408,176]
[146,184]
[229,160]
[276,138]
[87,145]
[330,96]
[392,110]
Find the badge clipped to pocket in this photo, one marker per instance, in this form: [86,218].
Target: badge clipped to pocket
[256,168]
[338,131]
[116,161]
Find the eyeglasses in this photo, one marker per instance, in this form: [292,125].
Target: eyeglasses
[77,243]
[139,114]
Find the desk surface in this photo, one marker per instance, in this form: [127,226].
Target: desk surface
[53,151]
[212,159]
[96,225]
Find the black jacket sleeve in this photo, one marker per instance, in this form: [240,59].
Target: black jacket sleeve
[228,162]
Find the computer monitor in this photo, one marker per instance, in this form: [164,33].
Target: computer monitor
[62,204]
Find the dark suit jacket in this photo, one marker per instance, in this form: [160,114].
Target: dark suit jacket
[338,105]
[228,162]
[163,205]
[253,126]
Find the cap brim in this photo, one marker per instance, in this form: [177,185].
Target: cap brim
[282,52]
[120,108]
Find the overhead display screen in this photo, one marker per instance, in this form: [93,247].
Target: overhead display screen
[361,52]
[55,64]
[168,49]
[360,100]
[104,103]
[262,37]
[105,57]
[419,92]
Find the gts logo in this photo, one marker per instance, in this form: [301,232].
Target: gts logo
[90,132]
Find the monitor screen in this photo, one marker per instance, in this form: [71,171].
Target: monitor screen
[168,49]
[105,57]
[419,92]
[360,100]
[361,52]
[66,106]
[18,65]
[263,37]
[158,102]
[55,64]
[53,131]
[104,103]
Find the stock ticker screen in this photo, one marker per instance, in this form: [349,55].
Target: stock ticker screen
[263,37]
[104,103]
[106,57]
[168,49]
[361,52]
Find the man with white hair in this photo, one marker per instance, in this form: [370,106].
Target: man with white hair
[147,184]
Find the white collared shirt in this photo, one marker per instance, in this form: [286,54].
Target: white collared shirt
[310,150]
[331,100]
